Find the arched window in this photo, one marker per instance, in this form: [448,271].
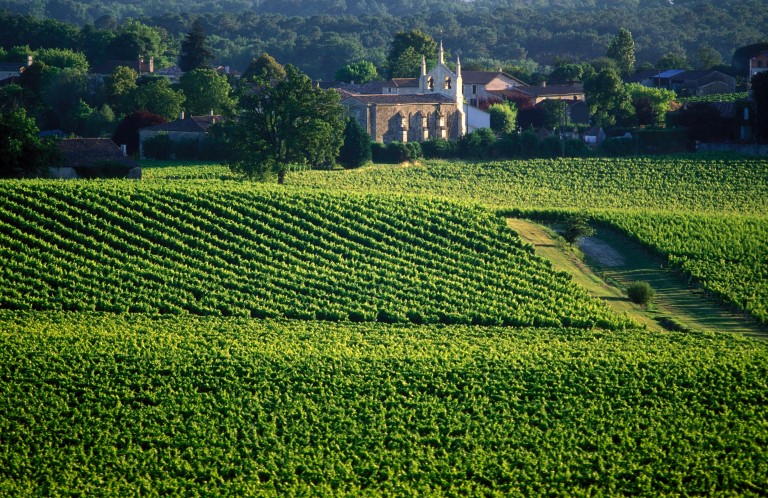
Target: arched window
[430,83]
[447,82]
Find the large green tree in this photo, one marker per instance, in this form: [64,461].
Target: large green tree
[406,51]
[285,123]
[608,100]
[622,50]
[503,117]
[157,97]
[651,104]
[359,72]
[206,91]
[195,53]
[22,153]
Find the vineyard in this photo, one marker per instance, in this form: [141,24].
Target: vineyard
[375,332]
[117,405]
[262,252]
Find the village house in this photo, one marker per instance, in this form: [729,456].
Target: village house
[107,67]
[687,83]
[10,71]
[192,128]
[93,158]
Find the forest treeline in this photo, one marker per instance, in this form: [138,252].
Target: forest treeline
[320,36]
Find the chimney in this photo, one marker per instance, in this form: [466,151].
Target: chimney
[151,64]
[124,150]
[181,115]
[30,60]
[211,112]
[544,84]
[226,69]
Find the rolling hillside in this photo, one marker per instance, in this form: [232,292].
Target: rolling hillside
[261,252]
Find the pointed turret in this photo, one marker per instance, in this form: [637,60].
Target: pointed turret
[423,65]
[442,59]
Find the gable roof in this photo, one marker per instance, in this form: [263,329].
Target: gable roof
[78,152]
[393,99]
[485,77]
[191,124]
[404,82]
[10,67]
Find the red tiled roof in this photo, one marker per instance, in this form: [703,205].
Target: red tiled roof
[192,124]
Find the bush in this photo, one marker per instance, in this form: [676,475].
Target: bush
[158,147]
[640,293]
[477,144]
[356,149]
[438,148]
[414,151]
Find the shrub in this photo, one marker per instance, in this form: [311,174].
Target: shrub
[158,147]
[576,227]
[640,293]
[414,151]
[438,148]
[477,144]
[356,149]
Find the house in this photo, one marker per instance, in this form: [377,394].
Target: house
[532,95]
[184,128]
[108,67]
[687,83]
[12,70]
[758,64]
[481,87]
[93,158]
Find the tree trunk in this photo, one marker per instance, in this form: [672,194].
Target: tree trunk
[280,177]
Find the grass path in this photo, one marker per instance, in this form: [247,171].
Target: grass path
[613,262]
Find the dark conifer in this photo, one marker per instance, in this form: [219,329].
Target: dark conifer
[195,53]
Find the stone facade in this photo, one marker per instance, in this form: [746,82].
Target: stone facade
[406,118]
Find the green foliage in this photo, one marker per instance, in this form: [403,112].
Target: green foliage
[21,152]
[609,102]
[156,97]
[622,50]
[118,87]
[205,91]
[503,117]
[439,148]
[358,72]
[265,67]
[651,104]
[63,59]
[127,131]
[577,227]
[641,293]
[195,53]
[158,147]
[672,60]
[406,52]
[284,124]
[477,144]
[356,149]
[240,249]
[261,408]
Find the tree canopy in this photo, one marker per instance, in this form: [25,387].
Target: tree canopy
[195,53]
[284,123]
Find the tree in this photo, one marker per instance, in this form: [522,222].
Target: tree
[63,59]
[672,61]
[118,87]
[127,132]
[503,117]
[417,44]
[759,85]
[577,227]
[195,53]
[359,72]
[622,50]
[285,123]
[651,104]
[265,67]
[205,91]
[707,58]
[356,149]
[22,153]
[641,293]
[609,103]
[156,97]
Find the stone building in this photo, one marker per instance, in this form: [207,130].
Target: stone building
[414,109]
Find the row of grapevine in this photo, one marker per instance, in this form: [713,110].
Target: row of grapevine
[265,252]
[681,183]
[116,405]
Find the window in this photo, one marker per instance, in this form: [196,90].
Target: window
[474,89]
[447,83]
[431,83]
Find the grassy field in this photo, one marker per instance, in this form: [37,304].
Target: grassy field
[123,373]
